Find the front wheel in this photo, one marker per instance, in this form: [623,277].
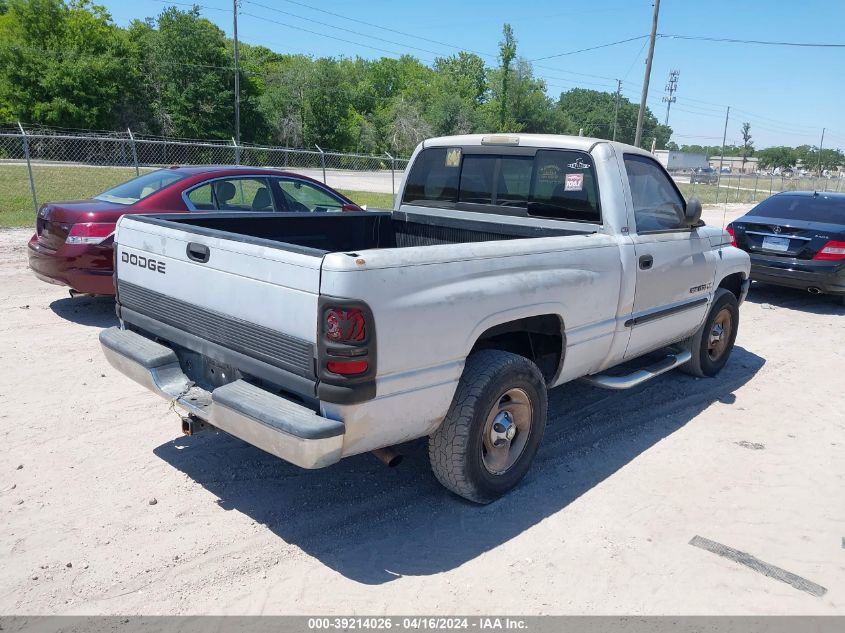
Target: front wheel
[712,344]
[493,429]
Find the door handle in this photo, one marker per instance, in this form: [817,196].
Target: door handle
[198,252]
[646,262]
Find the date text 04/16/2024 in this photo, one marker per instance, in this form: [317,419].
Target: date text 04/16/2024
[416,623]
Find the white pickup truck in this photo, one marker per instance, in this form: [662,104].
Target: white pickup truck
[511,264]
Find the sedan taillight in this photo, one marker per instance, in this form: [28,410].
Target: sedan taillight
[732,234]
[832,251]
[90,232]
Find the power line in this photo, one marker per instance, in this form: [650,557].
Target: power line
[340,28]
[192,4]
[591,48]
[331,37]
[382,28]
[702,38]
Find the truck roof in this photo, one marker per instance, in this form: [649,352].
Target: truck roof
[557,141]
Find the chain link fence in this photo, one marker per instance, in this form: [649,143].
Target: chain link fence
[37,165]
[751,188]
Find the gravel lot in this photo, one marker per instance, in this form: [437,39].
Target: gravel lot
[106,509]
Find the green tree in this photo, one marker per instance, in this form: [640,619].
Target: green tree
[408,127]
[779,157]
[827,159]
[188,74]
[328,107]
[282,102]
[747,143]
[463,75]
[593,111]
[507,53]
[63,65]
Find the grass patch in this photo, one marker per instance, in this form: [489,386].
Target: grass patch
[66,182]
[52,182]
[372,199]
[751,189]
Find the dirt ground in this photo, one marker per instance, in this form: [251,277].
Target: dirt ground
[107,509]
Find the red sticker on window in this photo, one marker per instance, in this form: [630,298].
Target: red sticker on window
[574,182]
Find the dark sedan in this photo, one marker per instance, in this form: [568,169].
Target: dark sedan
[73,242]
[704,175]
[796,239]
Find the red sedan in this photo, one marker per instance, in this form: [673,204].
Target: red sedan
[73,243]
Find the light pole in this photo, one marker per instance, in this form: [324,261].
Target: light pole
[237,77]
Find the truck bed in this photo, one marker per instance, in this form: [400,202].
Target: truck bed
[321,233]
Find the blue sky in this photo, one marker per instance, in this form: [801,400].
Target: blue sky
[788,94]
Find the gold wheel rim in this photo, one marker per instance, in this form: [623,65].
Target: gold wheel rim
[720,334]
[506,431]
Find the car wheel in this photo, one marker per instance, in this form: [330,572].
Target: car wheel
[493,429]
[712,344]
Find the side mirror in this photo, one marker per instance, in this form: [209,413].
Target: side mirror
[692,214]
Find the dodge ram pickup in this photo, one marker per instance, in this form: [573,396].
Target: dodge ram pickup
[510,264]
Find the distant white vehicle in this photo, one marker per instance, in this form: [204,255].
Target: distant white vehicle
[511,264]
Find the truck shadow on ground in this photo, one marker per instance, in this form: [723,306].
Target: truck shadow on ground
[795,299]
[373,524]
[90,311]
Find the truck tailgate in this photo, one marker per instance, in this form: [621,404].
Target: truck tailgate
[252,297]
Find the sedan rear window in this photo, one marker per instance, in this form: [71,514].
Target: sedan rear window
[816,208]
[139,188]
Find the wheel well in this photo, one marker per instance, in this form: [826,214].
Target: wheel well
[537,338]
[733,283]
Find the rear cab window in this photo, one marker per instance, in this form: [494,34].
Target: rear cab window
[550,183]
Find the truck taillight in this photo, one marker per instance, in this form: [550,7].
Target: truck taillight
[345,325]
[832,251]
[90,232]
[347,367]
[732,234]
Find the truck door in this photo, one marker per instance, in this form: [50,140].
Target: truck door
[675,265]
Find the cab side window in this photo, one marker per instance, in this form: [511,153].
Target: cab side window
[657,204]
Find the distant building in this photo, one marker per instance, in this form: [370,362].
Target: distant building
[679,161]
[734,163]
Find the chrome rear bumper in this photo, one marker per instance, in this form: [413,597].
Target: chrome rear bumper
[274,424]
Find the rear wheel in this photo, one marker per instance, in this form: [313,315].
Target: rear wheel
[493,429]
[712,344]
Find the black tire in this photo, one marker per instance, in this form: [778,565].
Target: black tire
[703,363]
[457,449]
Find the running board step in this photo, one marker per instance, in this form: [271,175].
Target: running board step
[641,375]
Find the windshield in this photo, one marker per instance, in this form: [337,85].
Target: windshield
[140,187]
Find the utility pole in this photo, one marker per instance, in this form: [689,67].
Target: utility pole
[237,77]
[639,135]
[671,87]
[724,138]
[616,107]
[821,144]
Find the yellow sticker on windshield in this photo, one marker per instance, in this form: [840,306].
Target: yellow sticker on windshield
[453,157]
